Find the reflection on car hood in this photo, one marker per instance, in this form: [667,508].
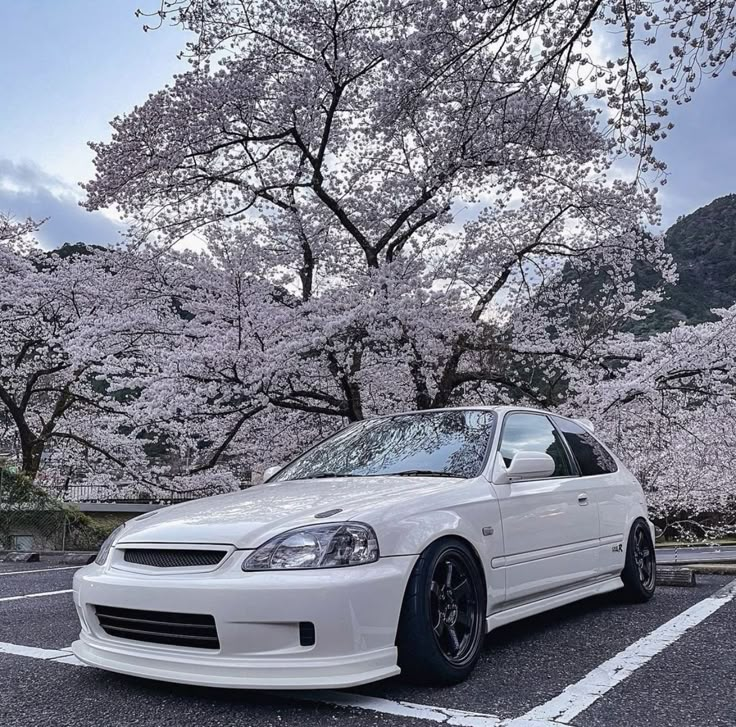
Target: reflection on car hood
[249,518]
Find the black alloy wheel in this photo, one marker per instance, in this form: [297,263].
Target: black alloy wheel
[644,557]
[640,570]
[442,622]
[453,607]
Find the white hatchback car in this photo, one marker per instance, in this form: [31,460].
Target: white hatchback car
[393,546]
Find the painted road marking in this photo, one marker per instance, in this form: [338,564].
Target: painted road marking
[34,595]
[40,570]
[64,656]
[557,712]
[457,717]
[450,717]
[579,696]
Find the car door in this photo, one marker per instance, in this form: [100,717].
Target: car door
[550,527]
[606,488]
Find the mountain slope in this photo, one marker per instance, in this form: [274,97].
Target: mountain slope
[703,245]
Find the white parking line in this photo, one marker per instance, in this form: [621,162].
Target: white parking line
[64,656]
[40,570]
[455,717]
[557,712]
[579,696]
[34,595]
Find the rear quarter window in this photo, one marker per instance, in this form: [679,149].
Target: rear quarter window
[592,457]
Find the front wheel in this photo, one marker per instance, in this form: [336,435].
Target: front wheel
[639,573]
[442,621]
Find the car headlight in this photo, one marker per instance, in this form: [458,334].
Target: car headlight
[331,545]
[105,548]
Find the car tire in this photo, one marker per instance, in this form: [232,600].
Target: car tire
[640,570]
[442,622]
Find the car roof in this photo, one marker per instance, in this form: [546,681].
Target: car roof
[500,410]
[470,407]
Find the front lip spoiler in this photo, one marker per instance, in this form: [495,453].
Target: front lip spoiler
[181,666]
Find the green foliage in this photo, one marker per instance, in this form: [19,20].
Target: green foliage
[27,509]
[17,492]
[70,249]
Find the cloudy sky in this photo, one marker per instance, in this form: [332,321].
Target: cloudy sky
[68,67]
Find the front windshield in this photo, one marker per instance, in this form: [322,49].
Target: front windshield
[452,443]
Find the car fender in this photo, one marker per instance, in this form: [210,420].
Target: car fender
[636,512]
[414,534]
[477,522]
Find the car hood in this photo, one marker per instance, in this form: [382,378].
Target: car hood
[248,518]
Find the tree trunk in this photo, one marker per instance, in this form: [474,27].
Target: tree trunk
[31,451]
[446,384]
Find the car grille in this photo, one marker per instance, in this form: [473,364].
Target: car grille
[159,558]
[159,627]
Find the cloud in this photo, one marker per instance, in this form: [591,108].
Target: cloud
[26,190]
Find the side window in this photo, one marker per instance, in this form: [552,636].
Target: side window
[533,433]
[591,455]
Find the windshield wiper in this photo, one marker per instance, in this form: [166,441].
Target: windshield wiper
[424,473]
[404,473]
[322,475]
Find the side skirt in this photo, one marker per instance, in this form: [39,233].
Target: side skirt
[562,598]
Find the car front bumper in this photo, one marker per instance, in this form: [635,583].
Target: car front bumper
[355,612]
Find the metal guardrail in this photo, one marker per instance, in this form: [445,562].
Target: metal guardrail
[696,554]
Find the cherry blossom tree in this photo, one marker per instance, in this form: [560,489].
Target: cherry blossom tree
[636,57]
[346,145]
[58,314]
[242,348]
[671,411]
[399,203]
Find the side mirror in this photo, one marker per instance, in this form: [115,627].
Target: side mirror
[269,472]
[530,466]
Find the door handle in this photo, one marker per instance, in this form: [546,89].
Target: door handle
[582,498]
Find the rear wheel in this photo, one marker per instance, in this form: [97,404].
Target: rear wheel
[639,573]
[442,620]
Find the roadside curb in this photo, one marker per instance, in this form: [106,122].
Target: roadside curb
[21,557]
[63,557]
[718,569]
[668,575]
[77,558]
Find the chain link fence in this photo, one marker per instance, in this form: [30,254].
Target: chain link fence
[32,519]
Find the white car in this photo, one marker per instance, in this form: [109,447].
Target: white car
[394,546]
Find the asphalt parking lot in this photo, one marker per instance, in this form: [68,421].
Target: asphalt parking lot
[669,662]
